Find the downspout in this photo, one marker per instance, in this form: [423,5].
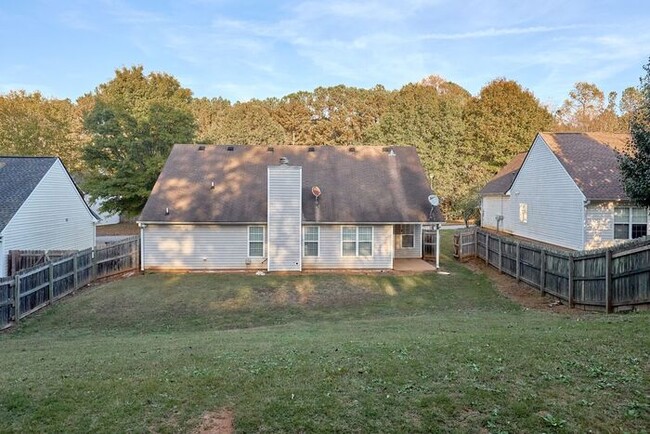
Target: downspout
[142,226]
[437,247]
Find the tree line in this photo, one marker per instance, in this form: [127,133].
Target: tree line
[117,138]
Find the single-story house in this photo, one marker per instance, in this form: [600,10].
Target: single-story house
[41,208]
[286,208]
[567,191]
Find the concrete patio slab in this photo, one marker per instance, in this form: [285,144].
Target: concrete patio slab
[417,265]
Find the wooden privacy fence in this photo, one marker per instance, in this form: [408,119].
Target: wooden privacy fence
[608,279]
[31,289]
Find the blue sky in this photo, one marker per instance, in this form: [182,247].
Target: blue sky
[257,49]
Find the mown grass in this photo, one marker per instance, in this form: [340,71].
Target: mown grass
[322,352]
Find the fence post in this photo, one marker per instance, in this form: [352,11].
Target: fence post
[500,256]
[75,268]
[542,271]
[518,267]
[476,243]
[50,276]
[17,298]
[94,263]
[487,248]
[571,283]
[608,281]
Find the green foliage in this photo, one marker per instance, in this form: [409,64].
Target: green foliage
[432,121]
[585,109]
[126,155]
[133,123]
[33,125]
[635,165]
[322,353]
[502,122]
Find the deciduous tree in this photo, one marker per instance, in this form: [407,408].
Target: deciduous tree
[635,165]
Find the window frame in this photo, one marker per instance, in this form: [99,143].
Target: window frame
[357,241]
[400,233]
[630,222]
[248,236]
[523,212]
[304,242]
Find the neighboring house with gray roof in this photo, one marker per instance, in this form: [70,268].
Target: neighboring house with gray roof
[566,190]
[41,208]
[255,207]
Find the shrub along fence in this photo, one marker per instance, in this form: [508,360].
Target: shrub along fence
[31,289]
[608,279]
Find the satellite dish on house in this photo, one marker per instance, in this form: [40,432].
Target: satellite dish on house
[433,200]
[315,190]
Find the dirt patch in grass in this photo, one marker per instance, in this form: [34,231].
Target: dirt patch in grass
[521,293]
[118,229]
[216,422]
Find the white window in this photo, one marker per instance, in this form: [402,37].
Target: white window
[630,223]
[256,241]
[406,235]
[523,212]
[356,240]
[311,240]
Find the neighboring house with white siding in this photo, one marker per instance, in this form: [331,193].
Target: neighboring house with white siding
[41,208]
[566,190]
[105,218]
[286,208]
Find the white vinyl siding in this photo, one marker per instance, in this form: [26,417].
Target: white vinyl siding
[330,255]
[310,239]
[493,206]
[599,225]
[284,222]
[409,252]
[198,247]
[54,217]
[555,211]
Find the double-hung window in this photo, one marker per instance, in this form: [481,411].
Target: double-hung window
[406,233]
[356,240]
[311,240]
[256,241]
[630,223]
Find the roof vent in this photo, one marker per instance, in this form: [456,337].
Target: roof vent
[212,185]
[166,211]
[270,149]
[311,149]
[201,148]
[352,149]
[391,153]
[284,161]
[230,148]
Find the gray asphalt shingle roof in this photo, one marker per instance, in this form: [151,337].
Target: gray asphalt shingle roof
[367,185]
[591,160]
[502,181]
[18,178]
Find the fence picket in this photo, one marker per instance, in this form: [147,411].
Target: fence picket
[31,289]
[606,279]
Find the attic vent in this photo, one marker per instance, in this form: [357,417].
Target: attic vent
[311,149]
[230,148]
[352,149]
[270,149]
[284,161]
[201,148]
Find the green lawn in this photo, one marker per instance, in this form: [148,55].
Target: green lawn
[321,352]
